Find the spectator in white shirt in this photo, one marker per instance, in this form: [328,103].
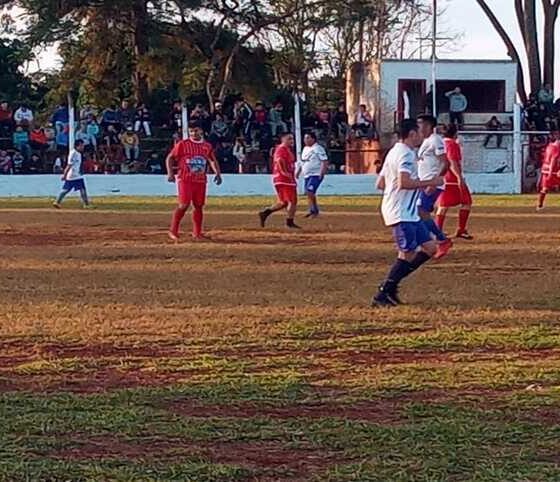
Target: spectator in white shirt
[23,117]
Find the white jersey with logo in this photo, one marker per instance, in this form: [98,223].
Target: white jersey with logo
[75,162]
[312,158]
[399,205]
[428,164]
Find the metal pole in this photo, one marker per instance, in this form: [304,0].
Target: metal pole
[297,126]
[71,122]
[517,150]
[184,120]
[434,59]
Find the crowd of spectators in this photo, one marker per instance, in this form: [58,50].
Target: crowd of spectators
[542,112]
[117,139]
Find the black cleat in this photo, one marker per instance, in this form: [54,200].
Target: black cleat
[290,224]
[263,216]
[381,300]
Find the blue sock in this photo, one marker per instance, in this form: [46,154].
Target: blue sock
[434,229]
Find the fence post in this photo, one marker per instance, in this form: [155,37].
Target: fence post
[71,122]
[517,150]
[297,125]
[184,119]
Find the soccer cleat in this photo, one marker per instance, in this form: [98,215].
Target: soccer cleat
[263,216]
[464,235]
[56,205]
[201,237]
[540,209]
[290,224]
[173,237]
[381,300]
[443,248]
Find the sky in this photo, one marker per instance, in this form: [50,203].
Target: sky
[480,41]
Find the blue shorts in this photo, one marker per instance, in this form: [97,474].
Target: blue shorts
[75,185]
[312,184]
[409,236]
[427,202]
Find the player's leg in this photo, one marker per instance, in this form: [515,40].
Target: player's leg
[312,184]
[408,237]
[198,200]
[542,197]
[425,209]
[63,193]
[184,196]
[464,213]
[291,198]
[280,204]
[84,195]
[440,216]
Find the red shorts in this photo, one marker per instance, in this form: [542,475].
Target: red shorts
[191,192]
[453,196]
[549,182]
[286,193]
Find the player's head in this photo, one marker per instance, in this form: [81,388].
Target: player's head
[427,124]
[196,133]
[287,139]
[79,145]
[408,132]
[309,139]
[450,131]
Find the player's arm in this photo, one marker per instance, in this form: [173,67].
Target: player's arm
[406,182]
[324,163]
[298,170]
[65,172]
[380,183]
[215,166]
[170,164]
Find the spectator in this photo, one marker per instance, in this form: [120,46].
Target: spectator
[87,111]
[457,106]
[143,120]
[242,117]
[131,144]
[126,114]
[57,166]
[90,142]
[323,121]
[110,118]
[200,118]
[240,153]
[154,164]
[92,127]
[35,165]
[6,166]
[176,116]
[50,135]
[18,162]
[494,125]
[363,123]
[546,96]
[260,115]
[276,121]
[20,140]
[218,109]
[60,117]
[6,120]
[220,130]
[38,140]
[63,138]
[23,117]
[113,145]
[340,123]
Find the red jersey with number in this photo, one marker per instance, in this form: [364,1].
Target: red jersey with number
[453,152]
[550,160]
[193,158]
[285,175]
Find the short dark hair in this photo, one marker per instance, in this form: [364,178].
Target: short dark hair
[285,134]
[312,135]
[79,143]
[430,119]
[450,131]
[406,127]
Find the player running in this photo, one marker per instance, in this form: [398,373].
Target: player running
[72,176]
[314,166]
[456,191]
[284,180]
[192,157]
[401,190]
[432,163]
[550,169]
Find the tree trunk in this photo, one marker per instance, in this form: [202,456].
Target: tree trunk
[532,45]
[141,25]
[550,18]
[512,51]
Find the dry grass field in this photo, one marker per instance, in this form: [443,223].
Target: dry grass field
[256,357]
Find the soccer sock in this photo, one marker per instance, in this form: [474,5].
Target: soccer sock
[400,270]
[61,196]
[542,195]
[84,196]
[463,218]
[197,217]
[418,260]
[434,229]
[440,220]
[178,215]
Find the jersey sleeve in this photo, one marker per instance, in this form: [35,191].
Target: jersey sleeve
[406,163]
[439,146]
[73,159]
[176,151]
[322,154]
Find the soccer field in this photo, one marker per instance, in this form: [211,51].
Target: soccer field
[256,357]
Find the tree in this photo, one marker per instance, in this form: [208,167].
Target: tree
[527,19]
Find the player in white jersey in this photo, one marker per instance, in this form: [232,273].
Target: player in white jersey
[432,161]
[314,165]
[72,176]
[401,190]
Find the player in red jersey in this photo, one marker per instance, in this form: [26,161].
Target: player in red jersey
[284,179]
[550,169]
[456,190]
[192,157]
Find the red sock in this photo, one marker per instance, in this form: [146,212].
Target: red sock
[542,195]
[463,218]
[197,217]
[178,215]
[440,220]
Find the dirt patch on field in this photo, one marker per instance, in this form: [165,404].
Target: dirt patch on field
[263,458]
